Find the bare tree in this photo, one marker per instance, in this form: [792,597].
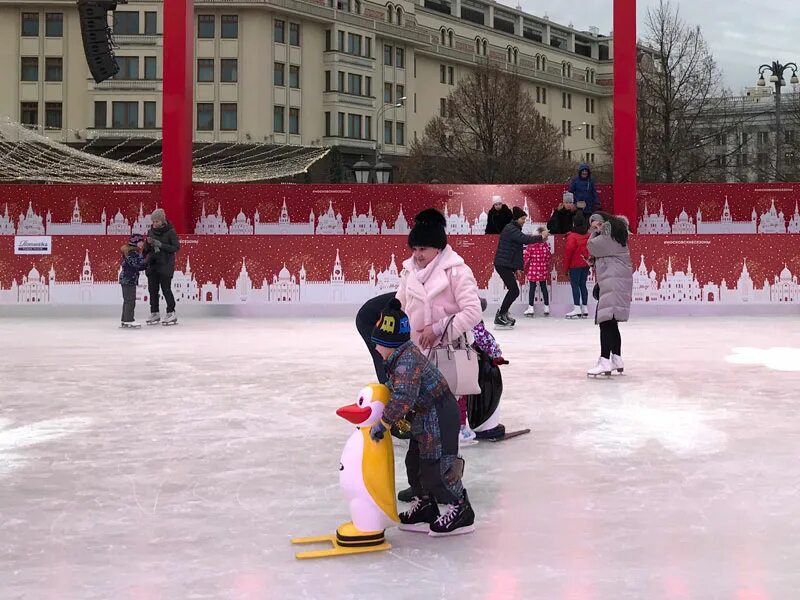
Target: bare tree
[489,132]
[689,127]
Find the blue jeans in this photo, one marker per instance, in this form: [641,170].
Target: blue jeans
[577,278]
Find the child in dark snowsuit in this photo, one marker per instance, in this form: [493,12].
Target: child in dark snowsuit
[132,263]
[432,462]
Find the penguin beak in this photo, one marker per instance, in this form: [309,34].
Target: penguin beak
[354,413]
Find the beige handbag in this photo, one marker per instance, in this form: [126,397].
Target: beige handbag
[458,362]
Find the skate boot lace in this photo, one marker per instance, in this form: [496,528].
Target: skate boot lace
[416,503]
[445,519]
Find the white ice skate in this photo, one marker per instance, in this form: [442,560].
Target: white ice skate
[617,364]
[130,325]
[529,312]
[466,437]
[155,319]
[546,311]
[603,368]
[584,312]
[575,314]
[171,319]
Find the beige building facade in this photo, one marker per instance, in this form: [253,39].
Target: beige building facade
[324,72]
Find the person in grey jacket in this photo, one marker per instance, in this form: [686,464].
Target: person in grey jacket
[159,250]
[608,247]
[508,260]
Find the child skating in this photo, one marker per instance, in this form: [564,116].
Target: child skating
[537,268]
[432,463]
[132,264]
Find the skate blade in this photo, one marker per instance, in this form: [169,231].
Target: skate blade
[472,442]
[169,324]
[415,528]
[337,550]
[156,323]
[596,375]
[130,326]
[459,531]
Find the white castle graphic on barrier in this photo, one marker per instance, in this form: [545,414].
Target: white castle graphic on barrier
[771,221]
[32,223]
[674,287]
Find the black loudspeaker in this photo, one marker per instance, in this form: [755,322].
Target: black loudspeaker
[97,44]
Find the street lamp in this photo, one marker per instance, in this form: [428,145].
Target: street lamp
[361,170]
[383,171]
[776,71]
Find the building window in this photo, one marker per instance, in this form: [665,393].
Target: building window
[451,75]
[388,126]
[205,116]
[401,134]
[294,121]
[52,115]
[569,128]
[128,67]
[563,127]
[294,76]
[354,126]
[354,44]
[327,123]
[294,34]
[53,69]
[30,25]
[229,70]
[442,74]
[341,47]
[228,116]
[592,127]
[368,47]
[54,24]
[100,115]
[150,67]
[125,115]
[205,69]
[368,128]
[387,93]
[387,55]
[340,125]
[280,31]
[126,22]
[763,137]
[328,40]
[278,116]
[588,130]
[149,115]
[442,107]
[205,26]
[327,81]
[30,68]
[279,75]
[400,93]
[354,84]
[230,27]
[340,81]
[151,23]
[400,58]
[29,113]
[368,86]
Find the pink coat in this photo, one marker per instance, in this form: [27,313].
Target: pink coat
[537,259]
[450,290]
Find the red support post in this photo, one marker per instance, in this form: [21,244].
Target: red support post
[177,111]
[625,50]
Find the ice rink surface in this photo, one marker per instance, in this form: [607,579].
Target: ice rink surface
[176,463]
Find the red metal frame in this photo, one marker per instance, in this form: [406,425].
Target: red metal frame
[179,92]
[177,111]
[625,110]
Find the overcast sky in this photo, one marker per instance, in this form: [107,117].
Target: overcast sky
[743,34]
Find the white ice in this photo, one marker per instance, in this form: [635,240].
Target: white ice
[177,463]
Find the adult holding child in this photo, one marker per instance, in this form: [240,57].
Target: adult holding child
[159,251]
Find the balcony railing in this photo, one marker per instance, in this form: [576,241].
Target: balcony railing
[351,99]
[136,39]
[128,84]
[111,132]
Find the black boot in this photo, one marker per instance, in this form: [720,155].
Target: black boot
[456,520]
[420,515]
[501,320]
[406,495]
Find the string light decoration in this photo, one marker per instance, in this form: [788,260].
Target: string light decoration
[28,155]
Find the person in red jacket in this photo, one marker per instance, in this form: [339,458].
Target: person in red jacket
[537,268]
[575,263]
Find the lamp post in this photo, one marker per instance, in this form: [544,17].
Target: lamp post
[361,170]
[383,170]
[776,71]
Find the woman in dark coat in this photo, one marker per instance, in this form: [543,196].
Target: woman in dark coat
[508,260]
[608,246]
[499,216]
[159,250]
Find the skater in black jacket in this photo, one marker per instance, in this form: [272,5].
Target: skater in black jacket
[159,251]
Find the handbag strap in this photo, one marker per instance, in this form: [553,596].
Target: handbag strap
[441,339]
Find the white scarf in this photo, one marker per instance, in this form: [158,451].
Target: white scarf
[422,274]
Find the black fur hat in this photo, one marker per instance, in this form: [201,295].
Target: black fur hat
[428,230]
[518,213]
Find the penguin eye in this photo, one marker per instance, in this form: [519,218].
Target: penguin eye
[361,401]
